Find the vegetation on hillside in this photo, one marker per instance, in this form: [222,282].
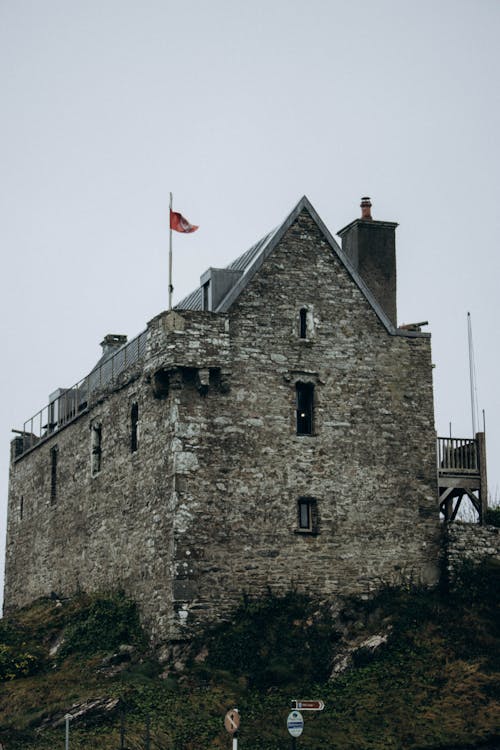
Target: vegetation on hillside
[434,683]
[492,516]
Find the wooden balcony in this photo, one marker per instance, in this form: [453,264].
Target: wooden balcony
[461,465]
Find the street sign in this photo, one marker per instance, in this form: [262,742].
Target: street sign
[308,705]
[232,720]
[295,723]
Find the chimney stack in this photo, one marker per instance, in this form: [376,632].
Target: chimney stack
[112,342]
[370,247]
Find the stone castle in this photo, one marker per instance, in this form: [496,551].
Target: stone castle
[274,430]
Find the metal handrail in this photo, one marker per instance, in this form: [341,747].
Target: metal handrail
[71,402]
[457,455]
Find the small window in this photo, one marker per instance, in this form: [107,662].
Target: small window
[303,323]
[304,514]
[21,508]
[305,404]
[53,474]
[134,425]
[96,449]
[307,515]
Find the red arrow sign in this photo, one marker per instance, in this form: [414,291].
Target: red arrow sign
[308,705]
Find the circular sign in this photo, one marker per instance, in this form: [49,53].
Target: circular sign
[295,723]
[232,720]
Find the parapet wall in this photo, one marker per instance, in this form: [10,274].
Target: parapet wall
[187,339]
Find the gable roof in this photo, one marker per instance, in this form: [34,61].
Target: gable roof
[253,258]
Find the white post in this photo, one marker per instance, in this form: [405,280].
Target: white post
[235,743]
[170,287]
[67,718]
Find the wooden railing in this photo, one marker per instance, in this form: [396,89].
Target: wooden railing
[457,455]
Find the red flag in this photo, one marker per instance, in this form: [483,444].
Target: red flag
[180,224]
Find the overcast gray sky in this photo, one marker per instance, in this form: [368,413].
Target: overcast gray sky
[239,109]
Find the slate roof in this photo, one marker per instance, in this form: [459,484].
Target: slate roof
[241,263]
[193,301]
[251,260]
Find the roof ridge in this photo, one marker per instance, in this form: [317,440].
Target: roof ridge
[252,259]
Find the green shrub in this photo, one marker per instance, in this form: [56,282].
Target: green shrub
[103,624]
[478,584]
[274,642]
[18,662]
[19,657]
[492,517]
[9,634]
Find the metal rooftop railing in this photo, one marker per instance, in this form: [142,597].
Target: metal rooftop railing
[68,403]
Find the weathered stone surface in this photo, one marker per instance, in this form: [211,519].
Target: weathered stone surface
[206,508]
[366,646]
[91,709]
[471,543]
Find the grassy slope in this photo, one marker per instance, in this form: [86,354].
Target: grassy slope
[435,685]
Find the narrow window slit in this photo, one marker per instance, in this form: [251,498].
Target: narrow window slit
[303,323]
[134,420]
[96,449]
[53,474]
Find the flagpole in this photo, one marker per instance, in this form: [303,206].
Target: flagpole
[170,287]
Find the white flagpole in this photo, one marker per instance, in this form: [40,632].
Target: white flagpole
[170,287]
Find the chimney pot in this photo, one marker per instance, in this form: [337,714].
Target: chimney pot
[366,205]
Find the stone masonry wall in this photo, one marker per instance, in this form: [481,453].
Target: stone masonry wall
[468,542]
[370,464]
[113,530]
[102,532]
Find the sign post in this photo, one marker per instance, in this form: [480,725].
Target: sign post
[67,719]
[295,722]
[232,723]
[295,726]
